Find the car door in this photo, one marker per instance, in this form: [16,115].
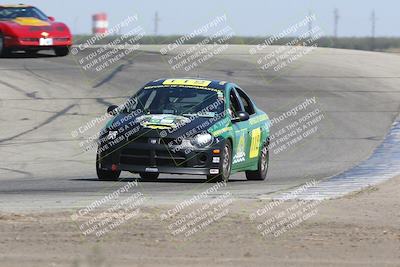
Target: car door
[254,131]
[241,135]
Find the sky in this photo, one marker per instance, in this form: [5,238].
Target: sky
[247,18]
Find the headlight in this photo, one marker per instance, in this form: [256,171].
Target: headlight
[202,140]
[112,135]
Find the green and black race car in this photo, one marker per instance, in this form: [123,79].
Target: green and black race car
[185,126]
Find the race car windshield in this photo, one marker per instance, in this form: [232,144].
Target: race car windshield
[179,101]
[9,13]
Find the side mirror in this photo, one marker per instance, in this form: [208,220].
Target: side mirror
[52,19]
[110,109]
[241,116]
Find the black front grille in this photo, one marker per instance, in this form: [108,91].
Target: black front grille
[146,157]
[164,141]
[139,139]
[135,156]
[40,29]
[165,158]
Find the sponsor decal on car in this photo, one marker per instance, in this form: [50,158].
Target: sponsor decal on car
[255,142]
[258,119]
[189,82]
[240,155]
[162,121]
[221,131]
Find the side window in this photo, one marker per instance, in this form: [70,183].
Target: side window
[247,103]
[150,100]
[234,104]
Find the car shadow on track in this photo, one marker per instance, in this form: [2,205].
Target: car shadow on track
[161,180]
[27,55]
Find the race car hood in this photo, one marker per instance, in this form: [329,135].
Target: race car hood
[30,22]
[33,27]
[165,125]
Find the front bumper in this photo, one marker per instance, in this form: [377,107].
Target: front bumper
[141,156]
[12,42]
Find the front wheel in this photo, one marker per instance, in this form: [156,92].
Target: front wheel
[263,162]
[106,175]
[3,50]
[226,166]
[61,51]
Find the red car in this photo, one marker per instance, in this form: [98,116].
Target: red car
[24,27]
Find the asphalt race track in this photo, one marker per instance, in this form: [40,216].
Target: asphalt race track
[43,99]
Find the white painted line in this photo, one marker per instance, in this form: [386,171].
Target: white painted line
[382,165]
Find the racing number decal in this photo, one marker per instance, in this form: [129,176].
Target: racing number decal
[255,142]
[189,82]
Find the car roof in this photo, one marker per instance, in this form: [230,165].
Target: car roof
[189,82]
[19,5]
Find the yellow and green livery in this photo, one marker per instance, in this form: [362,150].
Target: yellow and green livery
[186,126]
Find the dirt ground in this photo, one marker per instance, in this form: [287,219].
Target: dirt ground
[359,230]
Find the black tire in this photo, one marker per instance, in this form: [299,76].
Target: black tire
[226,166]
[263,163]
[61,51]
[149,176]
[3,51]
[105,175]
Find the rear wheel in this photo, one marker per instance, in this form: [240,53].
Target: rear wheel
[226,166]
[263,163]
[106,175]
[147,176]
[61,51]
